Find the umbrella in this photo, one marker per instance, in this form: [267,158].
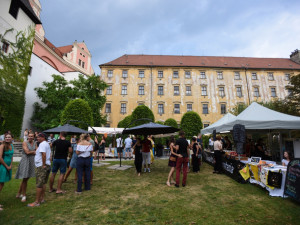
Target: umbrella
[150,128]
[66,128]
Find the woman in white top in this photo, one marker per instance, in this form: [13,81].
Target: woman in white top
[287,158]
[84,151]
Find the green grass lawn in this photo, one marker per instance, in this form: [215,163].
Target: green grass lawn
[120,197]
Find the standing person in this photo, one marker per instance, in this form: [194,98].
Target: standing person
[200,142]
[183,151]
[51,138]
[196,149]
[36,136]
[172,161]
[25,135]
[138,159]
[287,158]
[228,145]
[26,167]
[43,167]
[62,148]
[211,143]
[91,158]
[218,155]
[146,148]
[84,151]
[101,147]
[128,143]
[73,163]
[120,146]
[6,160]
[151,138]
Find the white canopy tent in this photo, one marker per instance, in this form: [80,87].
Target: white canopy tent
[107,130]
[225,119]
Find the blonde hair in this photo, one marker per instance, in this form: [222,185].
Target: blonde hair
[84,137]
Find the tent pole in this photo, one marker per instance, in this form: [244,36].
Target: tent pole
[280,145]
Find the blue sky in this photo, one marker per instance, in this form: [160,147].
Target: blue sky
[111,28]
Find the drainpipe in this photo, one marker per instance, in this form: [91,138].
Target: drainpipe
[247,86]
[151,88]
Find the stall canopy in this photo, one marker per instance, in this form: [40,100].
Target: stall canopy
[107,130]
[225,119]
[258,117]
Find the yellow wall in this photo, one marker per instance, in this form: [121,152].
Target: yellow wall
[152,99]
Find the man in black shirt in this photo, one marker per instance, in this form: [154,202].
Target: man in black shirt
[182,147]
[62,148]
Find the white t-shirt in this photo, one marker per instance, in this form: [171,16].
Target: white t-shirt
[128,142]
[85,150]
[119,142]
[43,147]
[286,162]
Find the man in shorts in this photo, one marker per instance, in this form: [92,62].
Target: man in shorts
[62,148]
[119,146]
[128,143]
[43,167]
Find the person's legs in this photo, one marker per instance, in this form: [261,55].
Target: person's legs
[149,160]
[63,169]
[185,169]
[51,182]
[24,186]
[79,173]
[1,186]
[170,175]
[178,169]
[55,167]
[88,172]
[144,155]
[68,173]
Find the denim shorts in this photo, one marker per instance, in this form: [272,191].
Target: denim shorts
[127,149]
[60,164]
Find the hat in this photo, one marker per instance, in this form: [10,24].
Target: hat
[42,135]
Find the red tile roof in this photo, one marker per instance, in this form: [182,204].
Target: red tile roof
[65,49]
[203,61]
[52,46]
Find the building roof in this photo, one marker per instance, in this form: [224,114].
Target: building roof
[65,49]
[25,5]
[203,61]
[52,46]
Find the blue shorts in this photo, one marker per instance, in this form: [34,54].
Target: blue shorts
[127,149]
[60,164]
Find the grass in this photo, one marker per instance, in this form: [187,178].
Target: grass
[120,197]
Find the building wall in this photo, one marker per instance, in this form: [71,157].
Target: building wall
[213,84]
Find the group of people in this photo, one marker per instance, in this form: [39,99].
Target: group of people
[36,162]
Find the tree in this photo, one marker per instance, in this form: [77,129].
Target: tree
[191,124]
[239,107]
[294,98]
[171,122]
[283,106]
[125,122]
[78,109]
[56,94]
[140,112]
[14,71]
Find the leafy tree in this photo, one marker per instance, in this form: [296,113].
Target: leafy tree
[171,122]
[240,107]
[159,122]
[140,112]
[14,71]
[294,98]
[191,124]
[125,122]
[78,109]
[283,106]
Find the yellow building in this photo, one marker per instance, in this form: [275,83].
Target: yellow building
[172,85]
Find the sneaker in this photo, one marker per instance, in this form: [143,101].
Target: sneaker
[23,199]
[149,170]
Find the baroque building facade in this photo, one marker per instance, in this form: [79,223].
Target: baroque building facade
[173,85]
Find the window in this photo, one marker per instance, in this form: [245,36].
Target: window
[109,90]
[273,92]
[287,76]
[160,74]
[141,74]
[175,74]
[239,91]
[160,90]
[256,92]
[141,103]
[177,108]
[124,90]
[79,62]
[205,125]
[205,109]
[14,8]
[223,108]
[108,108]
[123,108]
[221,92]
[109,73]
[270,76]
[237,76]
[141,90]
[188,74]
[203,90]
[202,75]
[161,109]
[176,90]
[124,73]
[220,75]
[189,107]
[4,47]
[188,90]
[82,64]
[254,76]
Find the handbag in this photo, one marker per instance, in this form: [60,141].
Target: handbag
[172,158]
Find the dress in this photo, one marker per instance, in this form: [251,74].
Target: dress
[26,167]
[172,163]
[138,158]
[195,160]
[73,162]
[4,174]
[102,148]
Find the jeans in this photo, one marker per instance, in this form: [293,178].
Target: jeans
[179,163]
[84,165]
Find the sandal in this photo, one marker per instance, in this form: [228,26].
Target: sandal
[60,192]
[34,204]
[19,196]
[53,190]
[23,199]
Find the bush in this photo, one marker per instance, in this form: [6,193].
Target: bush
[125,122]
[78,109]
[191,124]
[140,112]
[171,122]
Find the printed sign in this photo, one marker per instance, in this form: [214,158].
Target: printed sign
[292,182]
[255,159]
